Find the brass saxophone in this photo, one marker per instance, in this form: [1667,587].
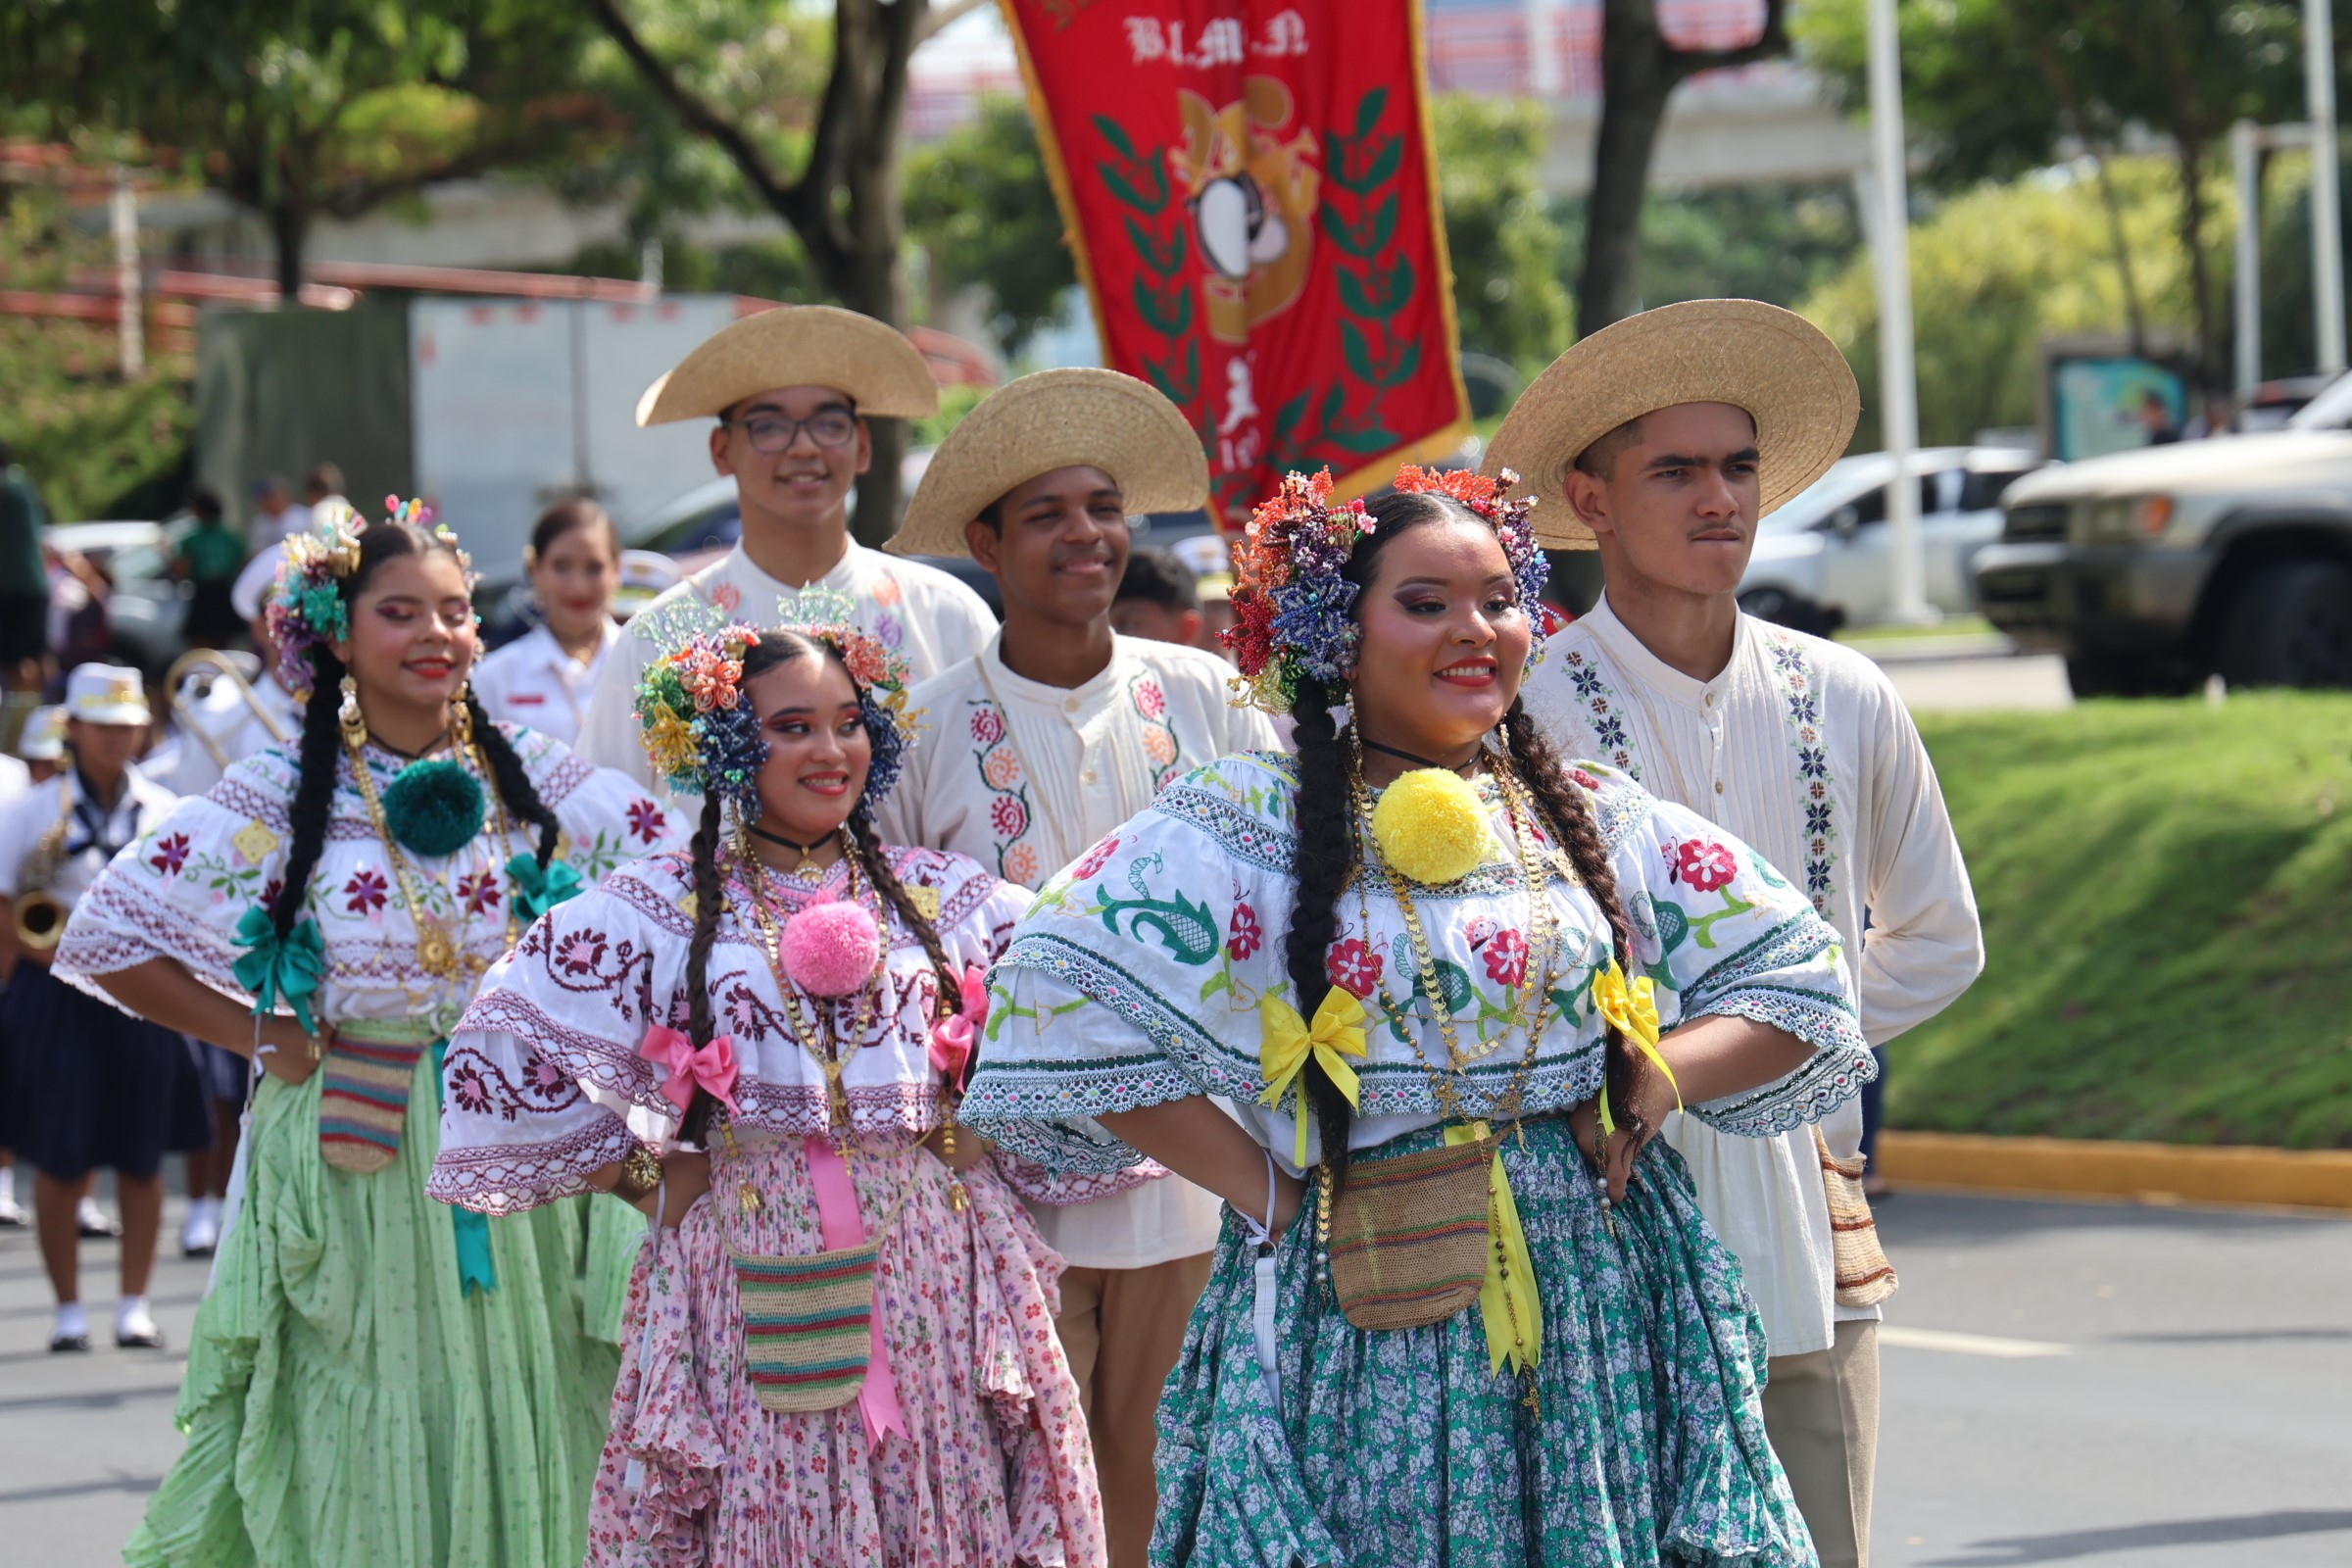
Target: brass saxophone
[40,919]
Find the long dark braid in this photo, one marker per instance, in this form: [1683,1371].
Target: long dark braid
[319,756]
[1326,853]
[894,893]
[1571,817]
[709,899]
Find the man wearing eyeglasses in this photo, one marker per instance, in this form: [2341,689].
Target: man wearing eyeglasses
[791,389]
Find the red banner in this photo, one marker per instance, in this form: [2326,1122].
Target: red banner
[1250,190]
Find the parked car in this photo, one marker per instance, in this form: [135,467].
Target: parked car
[148,610]
[1823,559]
[2150,569]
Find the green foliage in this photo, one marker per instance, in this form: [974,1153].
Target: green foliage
[2163,892]
[97,446]
[2001,266]
[1772,243]
[1506,248]
[979,207]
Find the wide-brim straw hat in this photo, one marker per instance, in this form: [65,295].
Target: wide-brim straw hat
[1055,419]
[1779,367]
[796,345]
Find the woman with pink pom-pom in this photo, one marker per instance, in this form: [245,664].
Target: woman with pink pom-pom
[838,1346]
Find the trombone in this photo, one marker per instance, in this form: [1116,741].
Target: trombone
[220,666]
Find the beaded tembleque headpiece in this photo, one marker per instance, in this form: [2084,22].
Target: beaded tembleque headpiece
[701,733]
[1294,618]
[307,605]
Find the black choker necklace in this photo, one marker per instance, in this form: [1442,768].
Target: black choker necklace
[376,740]
[807,871]
[1410,757]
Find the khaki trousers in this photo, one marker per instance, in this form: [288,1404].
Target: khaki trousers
[1820,1411]
[1123,1329]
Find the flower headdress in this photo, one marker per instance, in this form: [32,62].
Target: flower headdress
[1296,618]
[307,605]
[701,733]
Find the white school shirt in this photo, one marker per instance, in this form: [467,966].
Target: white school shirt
[1802,749]
[92,837]
[533,682]
[918,611]
[1024,778]
[223,715]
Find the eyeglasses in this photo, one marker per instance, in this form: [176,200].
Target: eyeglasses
[775,433]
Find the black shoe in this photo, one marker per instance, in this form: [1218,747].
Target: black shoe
[68,1341]
[152,1340]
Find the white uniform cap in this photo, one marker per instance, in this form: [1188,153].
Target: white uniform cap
[44,737]
[106,693]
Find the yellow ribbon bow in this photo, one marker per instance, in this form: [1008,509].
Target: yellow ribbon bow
[1286,1043]
[1633,1009]
[1507,1302]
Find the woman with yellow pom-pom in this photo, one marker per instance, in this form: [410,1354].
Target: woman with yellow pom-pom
[1464,1309]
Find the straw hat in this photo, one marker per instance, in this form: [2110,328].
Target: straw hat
[796,345]
[1772,362]
[1055,419]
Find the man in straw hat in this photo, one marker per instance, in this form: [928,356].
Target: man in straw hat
[1050,736]
[790,390]
[1661,441]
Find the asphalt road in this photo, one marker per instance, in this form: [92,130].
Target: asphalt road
[2034,681]
[2109,1386]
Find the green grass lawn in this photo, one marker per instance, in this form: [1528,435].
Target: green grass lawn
[2167,894]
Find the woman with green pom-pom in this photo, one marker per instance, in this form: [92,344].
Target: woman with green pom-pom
[1463,1310]
[376,1379]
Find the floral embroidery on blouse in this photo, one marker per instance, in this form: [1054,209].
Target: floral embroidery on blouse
[1800,699]
[170,854]
[1159,740]
[1011,814]
[1602,710]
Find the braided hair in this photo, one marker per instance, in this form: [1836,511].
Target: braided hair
[773,650]
[1327,853]
[319,750]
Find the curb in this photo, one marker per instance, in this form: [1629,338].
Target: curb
[1932,650]
[2293,1178]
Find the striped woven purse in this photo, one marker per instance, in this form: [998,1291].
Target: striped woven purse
[363,1101]
[807,1325]
[1408,1237]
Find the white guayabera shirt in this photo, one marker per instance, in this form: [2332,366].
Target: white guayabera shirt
[1802,749]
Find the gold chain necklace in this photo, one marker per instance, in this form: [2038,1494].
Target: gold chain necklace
[832,1057]
[438,950]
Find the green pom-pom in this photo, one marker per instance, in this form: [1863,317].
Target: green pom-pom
[434,809]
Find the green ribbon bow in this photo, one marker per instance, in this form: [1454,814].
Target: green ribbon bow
[275,969]
[535,891]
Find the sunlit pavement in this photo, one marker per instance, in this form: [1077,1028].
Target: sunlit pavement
[2035,681]
[2108,1386]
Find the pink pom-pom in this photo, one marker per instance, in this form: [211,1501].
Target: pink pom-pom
[832,949]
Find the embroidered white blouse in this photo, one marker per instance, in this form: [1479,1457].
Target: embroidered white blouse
[545,1070]
[1026,776]
[1802,748]
[179,891]
[532,681]
[1136,977]
[918,611]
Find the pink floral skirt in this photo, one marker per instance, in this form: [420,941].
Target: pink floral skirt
[995,1468]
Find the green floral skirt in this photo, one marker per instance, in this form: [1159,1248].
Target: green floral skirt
[349,1404]
[1403,1446]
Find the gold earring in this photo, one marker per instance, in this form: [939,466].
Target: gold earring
[354,723]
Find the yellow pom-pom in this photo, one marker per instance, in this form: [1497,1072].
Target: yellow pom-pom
[1431,825]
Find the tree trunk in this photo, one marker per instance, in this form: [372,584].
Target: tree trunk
[289,229]
[1637,74]
[2192,146]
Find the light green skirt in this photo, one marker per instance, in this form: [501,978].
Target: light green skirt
[347,1406]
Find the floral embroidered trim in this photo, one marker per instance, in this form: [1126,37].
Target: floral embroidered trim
[1011,814]
[1159,740]
[1602,710]
[510,1178]
[1801,714]
[1833,1075]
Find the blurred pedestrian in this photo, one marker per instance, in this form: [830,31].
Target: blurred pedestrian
[2156,419]
[791,389]
[23,576]
[223,724]
[91,1086]
[42,745]
[1156,599]
[543,679]
[1212,563]
[1661,441]
[80,625]
[322,492]
[277,514]
[207,559]
[16,778]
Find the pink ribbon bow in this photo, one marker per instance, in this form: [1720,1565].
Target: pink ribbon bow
[953,1037]
[712,1068]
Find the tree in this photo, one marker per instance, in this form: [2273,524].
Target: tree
[1500,233]
[980,209]
[2183,69]
[843,202]
[1639,68]
[298,109]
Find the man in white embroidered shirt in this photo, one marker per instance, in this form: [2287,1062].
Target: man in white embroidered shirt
[791,389]
[1661,441]
[1053,735]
